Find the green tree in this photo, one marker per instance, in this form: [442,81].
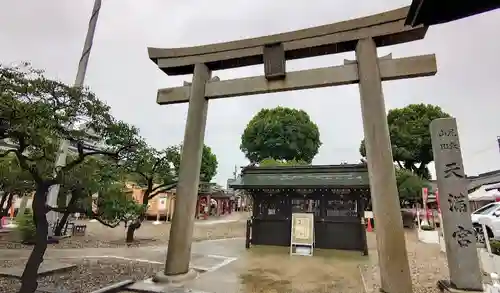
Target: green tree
[116,205]
[410,136]
[35,114]
[209,165]
[409,187]
[93,176]
[157,171]
[282,134]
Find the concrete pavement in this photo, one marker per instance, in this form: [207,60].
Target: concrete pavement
[227,266]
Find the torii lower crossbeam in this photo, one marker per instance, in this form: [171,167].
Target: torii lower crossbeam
[390,69]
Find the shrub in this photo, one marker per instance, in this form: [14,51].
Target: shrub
[427,228]
[26,227]
[495,247]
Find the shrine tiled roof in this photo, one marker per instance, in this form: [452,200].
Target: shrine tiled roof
[326,176]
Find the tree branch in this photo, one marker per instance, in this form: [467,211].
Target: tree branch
[93,215]
[82,155]
[22,144]
[143,175]
[4,154]
[44,156]
[157,163]
[165,187]
[24,165]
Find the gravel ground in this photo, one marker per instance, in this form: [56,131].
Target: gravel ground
[81,242]
[427,265]
[90,275]
[148,235]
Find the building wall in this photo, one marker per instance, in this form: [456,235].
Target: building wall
[153,207]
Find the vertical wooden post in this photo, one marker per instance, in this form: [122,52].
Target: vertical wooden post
[361,213]
[393,259]
[181,233]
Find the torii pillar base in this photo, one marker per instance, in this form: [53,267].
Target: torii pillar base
[160,277]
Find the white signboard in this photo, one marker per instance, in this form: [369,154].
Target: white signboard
[162,204]
[302,234]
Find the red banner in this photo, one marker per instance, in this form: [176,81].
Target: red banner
[424,202]
[437,200]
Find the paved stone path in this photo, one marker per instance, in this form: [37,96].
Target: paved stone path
[229,267]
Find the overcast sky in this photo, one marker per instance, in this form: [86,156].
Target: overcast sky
[50,34]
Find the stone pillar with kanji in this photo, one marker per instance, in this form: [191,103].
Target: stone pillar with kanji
[460,240]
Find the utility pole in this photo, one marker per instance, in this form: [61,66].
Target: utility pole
[79,80]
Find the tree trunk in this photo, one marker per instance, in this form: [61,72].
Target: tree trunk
[131,229]
[29,278]
[5,195]
[137,223]
[22,205]
[64,218]
[61,224]
[3,212]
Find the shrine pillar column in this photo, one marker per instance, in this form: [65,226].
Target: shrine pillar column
[181,232]
[392,256]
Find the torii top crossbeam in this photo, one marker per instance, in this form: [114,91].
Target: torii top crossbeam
[385,28]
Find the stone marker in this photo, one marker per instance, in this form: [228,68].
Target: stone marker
[461,251]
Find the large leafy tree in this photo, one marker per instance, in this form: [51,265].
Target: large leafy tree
[282,134]
[156,172]
[410,136]
[35,114]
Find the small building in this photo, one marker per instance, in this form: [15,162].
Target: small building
[162,204]
[335,194]
[213,201]
[223,203]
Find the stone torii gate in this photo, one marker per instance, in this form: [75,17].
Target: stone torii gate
[362,35]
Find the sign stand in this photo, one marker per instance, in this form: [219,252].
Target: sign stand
[161,206]
[302,234]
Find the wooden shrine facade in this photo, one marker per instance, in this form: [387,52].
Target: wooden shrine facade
[335,194]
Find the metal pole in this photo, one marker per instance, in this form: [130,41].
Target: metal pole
[79,80]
